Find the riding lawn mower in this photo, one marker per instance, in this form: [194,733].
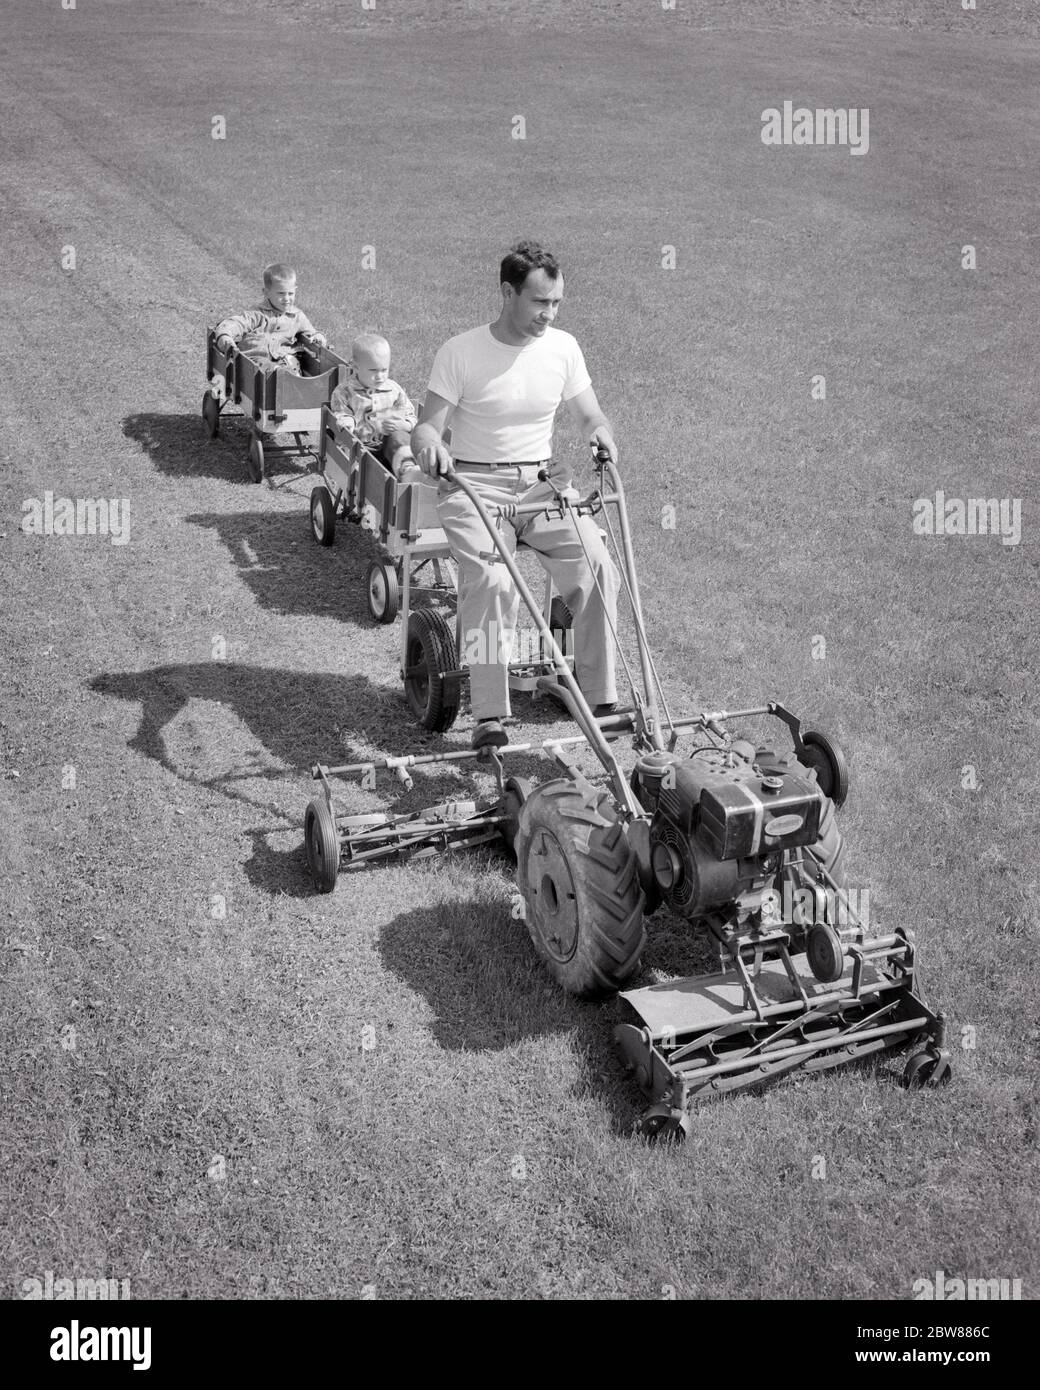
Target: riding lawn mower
[721,834]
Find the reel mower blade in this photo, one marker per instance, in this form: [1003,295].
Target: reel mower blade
[699,1038]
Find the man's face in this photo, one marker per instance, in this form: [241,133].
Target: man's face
[373,366]
[282,294]
[532,309]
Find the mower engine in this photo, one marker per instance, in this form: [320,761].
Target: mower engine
[721,821]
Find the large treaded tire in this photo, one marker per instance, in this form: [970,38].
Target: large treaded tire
[829,849]
[822,754]
[429,652]
[829,853]
[583,902]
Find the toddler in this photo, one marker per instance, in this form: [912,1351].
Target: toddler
[374,407]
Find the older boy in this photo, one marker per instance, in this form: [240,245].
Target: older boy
[269,332]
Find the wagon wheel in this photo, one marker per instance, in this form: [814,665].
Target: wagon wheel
[255,459]
[383,591]
[827,760]
[515,793]
[211,414]
[323,515]
[322,841]
[577,872]
[429,653]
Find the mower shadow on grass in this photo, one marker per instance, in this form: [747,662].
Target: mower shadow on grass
[179,447]
[277,872]
[476,968]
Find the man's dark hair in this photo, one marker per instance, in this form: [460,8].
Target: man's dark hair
[522,259]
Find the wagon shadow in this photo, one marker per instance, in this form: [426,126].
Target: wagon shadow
[179,447]
[275,555]
[488,992]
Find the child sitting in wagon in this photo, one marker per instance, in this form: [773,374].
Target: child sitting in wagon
[374,407]
[269,333]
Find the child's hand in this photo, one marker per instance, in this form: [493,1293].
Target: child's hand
[225,343]
[320,339]
[346,422]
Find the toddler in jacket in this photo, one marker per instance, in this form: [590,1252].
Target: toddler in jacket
[373,406]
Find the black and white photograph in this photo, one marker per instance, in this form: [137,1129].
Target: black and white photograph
[519,725]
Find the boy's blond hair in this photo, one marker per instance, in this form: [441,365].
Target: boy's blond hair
[367,342]
[277,270]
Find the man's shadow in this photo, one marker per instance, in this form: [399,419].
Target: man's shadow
[179,446]
[299,718]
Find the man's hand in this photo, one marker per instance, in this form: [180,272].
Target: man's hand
[602,439]
[431,453]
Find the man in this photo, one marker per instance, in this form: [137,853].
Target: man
[499,387]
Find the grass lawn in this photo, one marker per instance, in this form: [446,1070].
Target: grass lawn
[217,1084]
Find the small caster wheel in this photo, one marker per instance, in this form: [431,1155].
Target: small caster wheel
[827,760]
[323,515]
[515,792]
[383,591]
[322,842]
[927,1069]
[255,460]
[211,414]
[664,1124]
[823,948]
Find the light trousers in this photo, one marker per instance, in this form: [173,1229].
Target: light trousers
[489,602]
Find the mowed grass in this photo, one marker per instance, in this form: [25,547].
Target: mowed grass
[399,1095]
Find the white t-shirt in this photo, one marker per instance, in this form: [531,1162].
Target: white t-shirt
[505,398]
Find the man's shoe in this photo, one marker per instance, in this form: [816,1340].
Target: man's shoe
[605,711]
[489,733]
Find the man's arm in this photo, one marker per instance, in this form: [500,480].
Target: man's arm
[431,453]
[594,425]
